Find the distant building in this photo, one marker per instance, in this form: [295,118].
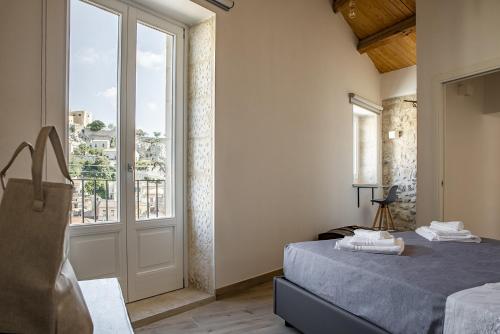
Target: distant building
[110,153]
[107,210]
[73,145]
[101,143]
[149,149]
[104,134]
[80,117]
[106,207]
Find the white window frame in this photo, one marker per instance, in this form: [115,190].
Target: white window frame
[370,106]
[355,143]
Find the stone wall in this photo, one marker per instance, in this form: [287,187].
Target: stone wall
[200,164]
[399,157]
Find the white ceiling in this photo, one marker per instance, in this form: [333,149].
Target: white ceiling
[184,11]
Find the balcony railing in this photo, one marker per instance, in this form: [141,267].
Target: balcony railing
[149,193]
[156,195]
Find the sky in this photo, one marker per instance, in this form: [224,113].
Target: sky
[93,76]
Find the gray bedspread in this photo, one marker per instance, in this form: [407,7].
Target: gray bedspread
[402,294]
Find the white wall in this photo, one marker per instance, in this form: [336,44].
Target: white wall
[283,133]
[399,83]
[472,156]
[454,36]
[20,79]
[33,53]
[184,11]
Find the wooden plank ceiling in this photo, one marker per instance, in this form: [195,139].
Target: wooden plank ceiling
[386,30]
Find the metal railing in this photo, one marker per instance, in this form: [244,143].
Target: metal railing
[84,195]
[138,193]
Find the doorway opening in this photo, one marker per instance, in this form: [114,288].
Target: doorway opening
[471,147]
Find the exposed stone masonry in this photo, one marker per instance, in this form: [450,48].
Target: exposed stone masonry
[399,157]
[201,120]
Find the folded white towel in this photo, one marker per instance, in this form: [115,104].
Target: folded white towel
[443,233]
[448,226]
[431,235]
[361,241]
[372,235]
[396,249]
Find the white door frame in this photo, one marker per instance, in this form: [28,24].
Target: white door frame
[136,16]
[117,230]
[113,233]
[439,106]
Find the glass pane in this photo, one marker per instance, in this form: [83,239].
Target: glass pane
[365,146]
[153,139]
[93,112]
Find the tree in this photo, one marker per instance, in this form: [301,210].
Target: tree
[85,149]
[140,133]
[82,149]
[143,165]
[96,126]
[98,169]
[75,167]
[160,165]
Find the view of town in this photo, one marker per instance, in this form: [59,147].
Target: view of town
[93,164]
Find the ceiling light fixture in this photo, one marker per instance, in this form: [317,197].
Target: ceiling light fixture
[352,9]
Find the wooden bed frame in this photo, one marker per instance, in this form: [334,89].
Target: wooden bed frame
[311,314]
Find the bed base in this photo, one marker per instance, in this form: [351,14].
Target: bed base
[312,315]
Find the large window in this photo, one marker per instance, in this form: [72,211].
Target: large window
[366,143]
[93,112]
[96,141]
[153,120]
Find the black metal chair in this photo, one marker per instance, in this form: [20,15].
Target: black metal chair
[383,218]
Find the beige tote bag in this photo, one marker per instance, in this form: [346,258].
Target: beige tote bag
[39,292]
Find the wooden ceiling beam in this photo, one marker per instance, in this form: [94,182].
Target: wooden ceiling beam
[387,35]
[337,4]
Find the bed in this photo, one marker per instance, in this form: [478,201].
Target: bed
[330,291]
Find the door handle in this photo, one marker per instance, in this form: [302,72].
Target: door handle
[130,168]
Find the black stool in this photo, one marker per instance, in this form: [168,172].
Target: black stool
[384,215]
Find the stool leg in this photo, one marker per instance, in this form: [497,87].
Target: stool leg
[391,219]
[386,221]
[381,218]
[374,225]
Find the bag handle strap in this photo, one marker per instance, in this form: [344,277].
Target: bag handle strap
[18,150]
[47,132]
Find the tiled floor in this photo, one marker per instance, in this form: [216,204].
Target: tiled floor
[248,312]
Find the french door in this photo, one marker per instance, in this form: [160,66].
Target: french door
[126,146]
